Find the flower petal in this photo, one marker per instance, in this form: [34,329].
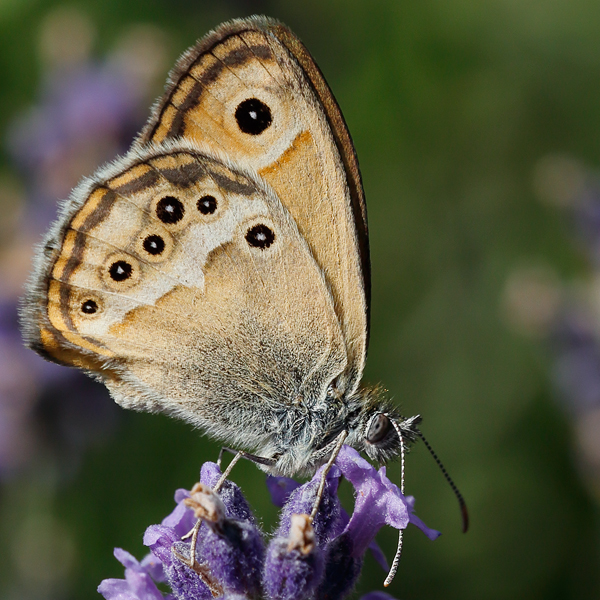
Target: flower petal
[116,589]
[280,489]
[377,596]
[378,501]
[378,555]
[182,518]
[142,585]
[127,560]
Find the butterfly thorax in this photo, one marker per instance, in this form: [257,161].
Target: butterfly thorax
[303,440]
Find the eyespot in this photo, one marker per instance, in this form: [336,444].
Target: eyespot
[86,306]
[260,236]
[154,244]
[170,210]
[207,205]
[378,428]
[120,270]
[89,307]
[253,116]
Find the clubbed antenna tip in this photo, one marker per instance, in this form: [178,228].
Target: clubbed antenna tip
[465,515]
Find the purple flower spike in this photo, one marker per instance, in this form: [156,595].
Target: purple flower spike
[305,560]
[378,502]
[329,521]
[186,583]
[231,495]
[328,524]
[232,548]
[235,557]
[342,567]
[294,566]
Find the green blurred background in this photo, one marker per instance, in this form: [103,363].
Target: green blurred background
[466,116]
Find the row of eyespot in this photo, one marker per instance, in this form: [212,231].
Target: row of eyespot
[253,117]
[170,210]
[258,236]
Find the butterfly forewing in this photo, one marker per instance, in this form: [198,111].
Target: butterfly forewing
[251,90]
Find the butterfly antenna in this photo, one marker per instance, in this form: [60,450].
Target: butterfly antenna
[461,501]
[396,560]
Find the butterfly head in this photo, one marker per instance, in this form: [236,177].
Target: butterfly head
[379,430]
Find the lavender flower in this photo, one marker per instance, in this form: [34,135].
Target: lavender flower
[86,112]
[320,558]
[33,402]
[570,311]
[576,348]
[572,331]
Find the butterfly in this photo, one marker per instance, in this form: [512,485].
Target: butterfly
[219,271]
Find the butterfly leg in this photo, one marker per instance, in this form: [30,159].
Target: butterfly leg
[238,454]
[260,460]
[221,452]
[194,532]
[338,446]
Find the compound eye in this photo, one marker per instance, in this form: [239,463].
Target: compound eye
[380,425]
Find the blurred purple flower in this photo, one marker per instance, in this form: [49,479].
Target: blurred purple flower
[88,101]
[86,113]
[304,559]
[576,350]
[574,334]
[586,215]
[572,331]
[45,410]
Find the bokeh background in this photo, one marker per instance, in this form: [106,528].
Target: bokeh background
[477,126]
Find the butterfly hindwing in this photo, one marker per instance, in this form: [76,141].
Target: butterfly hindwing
[236,308]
